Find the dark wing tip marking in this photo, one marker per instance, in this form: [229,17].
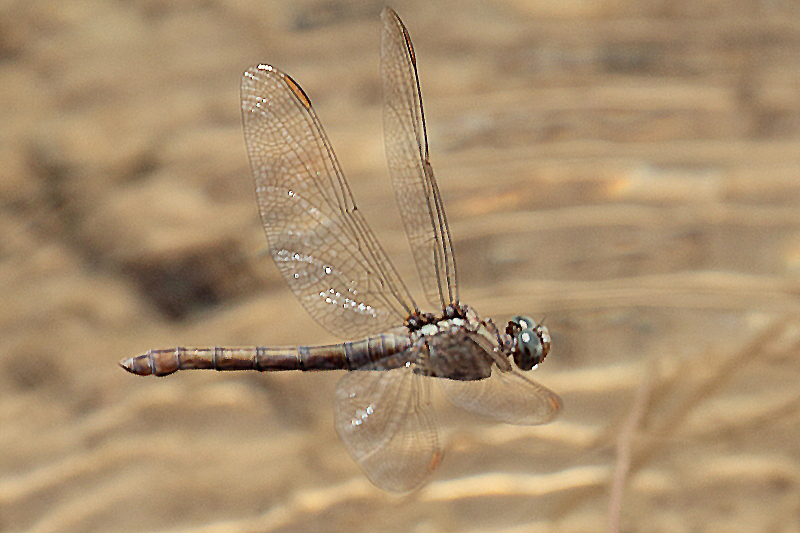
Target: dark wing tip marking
[389,12]
[298,92]
[556,403]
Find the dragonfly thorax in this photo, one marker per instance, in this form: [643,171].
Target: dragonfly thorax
[419,320]
[442,326]
[453,317]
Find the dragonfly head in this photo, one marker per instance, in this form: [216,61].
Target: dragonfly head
[530,342]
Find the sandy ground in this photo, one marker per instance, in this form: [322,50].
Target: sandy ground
[627,169]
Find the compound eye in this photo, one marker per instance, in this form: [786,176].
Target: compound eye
[532,342]
[529,351]
[522,322]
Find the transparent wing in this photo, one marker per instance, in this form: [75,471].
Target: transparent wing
[387,424]
[318,239]
[415,187]
[508,397]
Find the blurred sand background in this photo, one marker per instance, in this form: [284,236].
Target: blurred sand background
[627,169]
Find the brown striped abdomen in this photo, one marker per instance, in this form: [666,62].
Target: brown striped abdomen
[343,356]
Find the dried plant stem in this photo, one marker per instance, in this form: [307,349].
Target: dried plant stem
[624,445]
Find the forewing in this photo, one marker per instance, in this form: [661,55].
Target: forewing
[317,238]
[508,397]
[415,187]
[386,422]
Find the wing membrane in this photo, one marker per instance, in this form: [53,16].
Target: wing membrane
[386,422]
[318,239]
[508,397]
[415,187]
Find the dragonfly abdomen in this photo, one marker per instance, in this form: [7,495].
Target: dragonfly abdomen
[343,356]
[365,351]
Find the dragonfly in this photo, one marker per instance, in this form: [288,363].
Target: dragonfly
[341,274]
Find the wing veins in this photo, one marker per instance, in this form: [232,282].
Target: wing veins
[400,70]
